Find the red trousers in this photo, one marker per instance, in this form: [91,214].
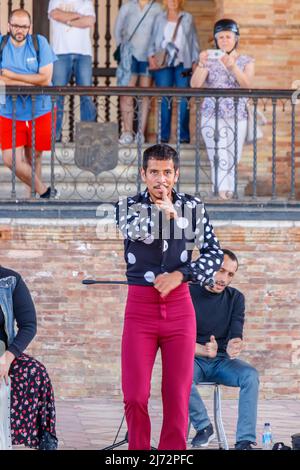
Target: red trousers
[151,323]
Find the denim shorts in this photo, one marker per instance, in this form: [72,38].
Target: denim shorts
[139,67]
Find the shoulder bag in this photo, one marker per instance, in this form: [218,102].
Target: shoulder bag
[167,56]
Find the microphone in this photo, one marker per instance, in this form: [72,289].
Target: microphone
[210,282]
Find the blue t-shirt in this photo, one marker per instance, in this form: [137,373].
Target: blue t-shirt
[23,60]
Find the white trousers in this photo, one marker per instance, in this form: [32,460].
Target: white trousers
[225,146]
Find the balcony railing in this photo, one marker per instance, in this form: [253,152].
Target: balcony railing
[90,165]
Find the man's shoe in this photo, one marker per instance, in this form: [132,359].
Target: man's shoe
[203,437]
[46,194]
[244,445]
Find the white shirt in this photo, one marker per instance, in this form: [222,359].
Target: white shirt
[66,39]
[168,34]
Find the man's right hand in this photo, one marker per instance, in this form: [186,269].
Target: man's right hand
[166,205]
[208,350]
[211,348]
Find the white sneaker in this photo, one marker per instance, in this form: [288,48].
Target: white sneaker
[136,140]
[126,138]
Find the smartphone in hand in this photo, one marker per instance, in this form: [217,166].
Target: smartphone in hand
[214,54]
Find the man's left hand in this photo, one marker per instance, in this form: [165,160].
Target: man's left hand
[165,283]
[8,73]
[234,347]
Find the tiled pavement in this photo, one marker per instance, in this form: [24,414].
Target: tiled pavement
[93,423]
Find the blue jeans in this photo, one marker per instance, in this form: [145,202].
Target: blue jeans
[81,67]
[140,68]
[169,77]
[233,373]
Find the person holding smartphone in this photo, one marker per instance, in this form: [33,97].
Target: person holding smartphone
[227,69]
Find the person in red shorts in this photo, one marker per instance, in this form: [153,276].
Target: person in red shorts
[25,63]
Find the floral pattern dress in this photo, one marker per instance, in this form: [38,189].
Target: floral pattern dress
[220,77]
[32,405]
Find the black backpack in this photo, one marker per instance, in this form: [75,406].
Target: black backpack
[4,41]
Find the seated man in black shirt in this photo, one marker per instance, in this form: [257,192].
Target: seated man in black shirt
[220,312]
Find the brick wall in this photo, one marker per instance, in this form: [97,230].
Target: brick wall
[79,327]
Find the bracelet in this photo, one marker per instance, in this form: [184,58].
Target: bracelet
[201,66]
[69,23]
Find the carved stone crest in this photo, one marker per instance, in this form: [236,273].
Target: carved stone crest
[96,147]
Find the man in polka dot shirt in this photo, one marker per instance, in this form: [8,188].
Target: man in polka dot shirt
[161,227]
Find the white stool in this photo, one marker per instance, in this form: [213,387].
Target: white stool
[221,436]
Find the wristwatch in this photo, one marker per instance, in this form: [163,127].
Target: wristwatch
[201,66]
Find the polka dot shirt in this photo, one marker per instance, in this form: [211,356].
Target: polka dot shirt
[154,245]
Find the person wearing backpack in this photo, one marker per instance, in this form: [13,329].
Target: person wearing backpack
[25,60]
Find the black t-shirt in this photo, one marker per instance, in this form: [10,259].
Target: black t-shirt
[24,312]
[221,315]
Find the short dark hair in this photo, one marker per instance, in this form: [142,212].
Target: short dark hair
[160,152]
[18,11]
[231,255]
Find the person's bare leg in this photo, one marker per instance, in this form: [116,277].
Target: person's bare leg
[126,104]
[38,163]
[23,169]
[145,82]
